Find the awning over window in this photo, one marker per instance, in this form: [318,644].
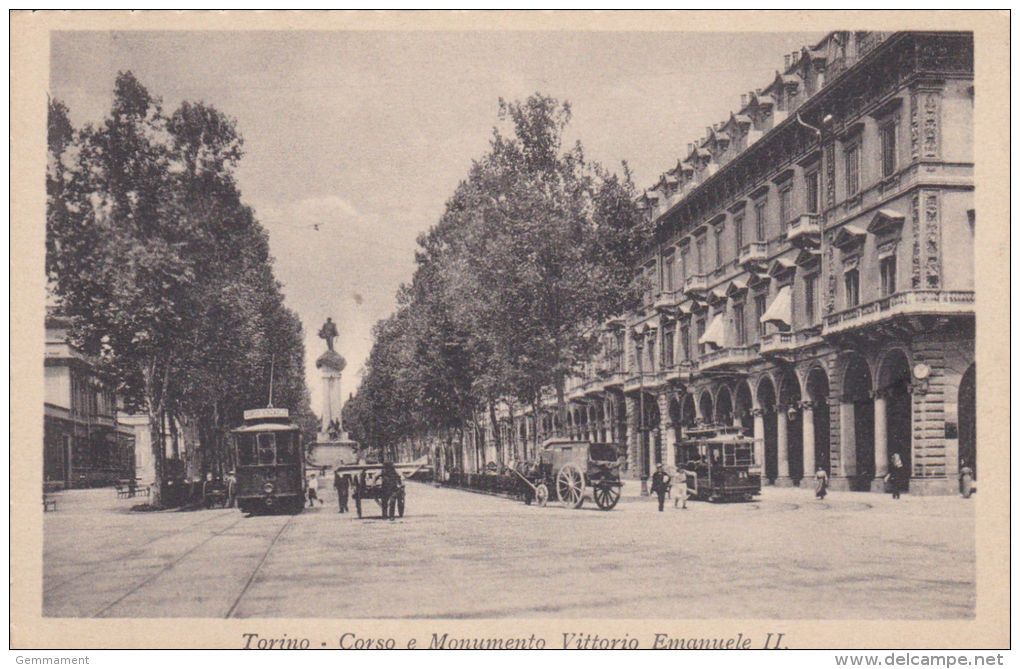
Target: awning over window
[780,311]
[716,332]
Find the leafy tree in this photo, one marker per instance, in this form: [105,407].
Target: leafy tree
[165,273]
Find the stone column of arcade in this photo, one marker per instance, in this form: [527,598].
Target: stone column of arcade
[808,430]
[782,447]
[759,439]
[881,438]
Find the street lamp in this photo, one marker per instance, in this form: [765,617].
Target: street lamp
[639,344]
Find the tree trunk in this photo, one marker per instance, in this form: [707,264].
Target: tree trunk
[156,436]
[495,432]
[561,403]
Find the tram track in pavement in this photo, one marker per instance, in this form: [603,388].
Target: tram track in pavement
[258,567]
[166,568]
[133,552]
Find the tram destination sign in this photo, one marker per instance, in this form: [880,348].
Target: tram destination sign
[260,414]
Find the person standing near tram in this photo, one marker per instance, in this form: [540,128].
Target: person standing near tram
[342,484]
[660,484]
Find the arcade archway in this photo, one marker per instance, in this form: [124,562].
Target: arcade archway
[967,406]
[818,394]
[705,404]
[789,400]
[742,407]
[894,388]
[859,427]
[724,407]
[767,404]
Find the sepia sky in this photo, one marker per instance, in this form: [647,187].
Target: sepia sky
[366,134]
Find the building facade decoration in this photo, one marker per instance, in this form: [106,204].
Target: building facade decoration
[763,212]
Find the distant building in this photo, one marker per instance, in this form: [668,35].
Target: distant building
[812,277]
[83,442]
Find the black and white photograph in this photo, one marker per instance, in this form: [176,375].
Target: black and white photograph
[534,324]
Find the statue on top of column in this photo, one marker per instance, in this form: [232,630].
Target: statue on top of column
[329,332]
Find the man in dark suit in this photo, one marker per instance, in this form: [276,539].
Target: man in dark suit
[660,484]
[342,484]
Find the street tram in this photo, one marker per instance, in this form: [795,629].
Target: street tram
[270,464]
[719,464]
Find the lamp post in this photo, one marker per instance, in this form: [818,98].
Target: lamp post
[639,344]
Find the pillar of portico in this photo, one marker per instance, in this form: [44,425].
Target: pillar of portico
[782,445]
[808,432]
[759,438]
[881,437]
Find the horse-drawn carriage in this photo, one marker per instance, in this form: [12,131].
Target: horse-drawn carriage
[566,469]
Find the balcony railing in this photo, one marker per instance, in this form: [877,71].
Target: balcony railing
[668,298]
[724,357]
[695,283]
[776,341]
[908,302]
[680,371]
[755,253]
[637,380]
[805,230]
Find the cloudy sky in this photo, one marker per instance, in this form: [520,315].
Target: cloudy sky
[354,140]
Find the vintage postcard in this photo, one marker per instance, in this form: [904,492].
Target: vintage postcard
[510,330]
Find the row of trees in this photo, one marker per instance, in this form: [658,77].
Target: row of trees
[164,273]
[535,249]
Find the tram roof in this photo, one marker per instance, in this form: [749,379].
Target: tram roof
[266,427]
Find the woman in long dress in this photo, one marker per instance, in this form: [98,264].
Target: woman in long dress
[821,483]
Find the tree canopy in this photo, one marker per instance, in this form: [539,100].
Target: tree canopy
[535,249]
[164,273]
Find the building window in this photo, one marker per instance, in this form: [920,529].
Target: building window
[811,184]
[853,164]
[759,311]
[887,269]
[784,208]
[739,325]
[699,257]
[683,264]
[668,333]
[851,283]
[650,284]
[887,133]
[759,220]
[700,329]
[718,246]
[810,282]
[685,342]
[650,345]
[738,235]
[668,273]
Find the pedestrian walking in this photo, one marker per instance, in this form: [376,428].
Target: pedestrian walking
[681,490]
[966,479]
[660,484]
[313,489]
[821,483]
[391,484]
[897,476]
[342,484]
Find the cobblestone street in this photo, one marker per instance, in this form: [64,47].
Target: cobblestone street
[464,555]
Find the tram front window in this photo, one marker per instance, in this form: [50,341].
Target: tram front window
[245,449]
[285,447]
[267,448]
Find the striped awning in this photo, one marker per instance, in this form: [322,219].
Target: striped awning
[716,332]
[781,309]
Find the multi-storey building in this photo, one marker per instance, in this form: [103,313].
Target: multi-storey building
[84,444]
[811,278]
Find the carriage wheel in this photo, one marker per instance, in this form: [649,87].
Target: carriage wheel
[570,486]
[542,494]
[606,496]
